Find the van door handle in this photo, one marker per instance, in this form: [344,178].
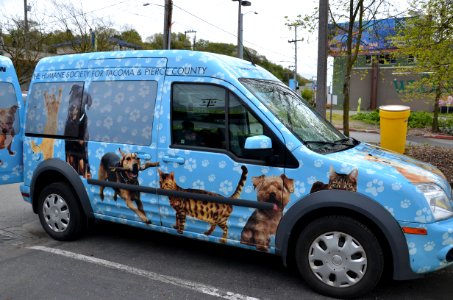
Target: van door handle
[143,155]
[179,160]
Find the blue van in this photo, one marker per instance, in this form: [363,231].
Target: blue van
[215,148]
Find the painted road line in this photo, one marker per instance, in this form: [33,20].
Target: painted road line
[198,287]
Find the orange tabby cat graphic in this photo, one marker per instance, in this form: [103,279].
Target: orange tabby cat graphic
[52,105]
[412,174]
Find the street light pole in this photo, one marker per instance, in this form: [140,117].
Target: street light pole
[240,30]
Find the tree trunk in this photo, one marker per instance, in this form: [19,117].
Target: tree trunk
[435,126]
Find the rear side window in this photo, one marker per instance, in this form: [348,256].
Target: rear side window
[121,111]
[9,111]
[48,106]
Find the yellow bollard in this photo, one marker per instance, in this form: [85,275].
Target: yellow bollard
[394,126]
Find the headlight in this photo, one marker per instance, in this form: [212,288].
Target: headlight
[437,200]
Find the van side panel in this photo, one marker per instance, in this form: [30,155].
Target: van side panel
[11,112]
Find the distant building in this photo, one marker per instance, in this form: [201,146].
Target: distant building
[377,77]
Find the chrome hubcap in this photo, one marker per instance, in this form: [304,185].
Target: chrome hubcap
[337,259]
[56,213]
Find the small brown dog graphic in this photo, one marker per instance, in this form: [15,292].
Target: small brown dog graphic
[263,223]
[124,169]
[52,103]
[7,118]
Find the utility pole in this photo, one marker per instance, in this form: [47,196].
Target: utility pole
[240,24]
[167,23]
[295,51]
[321,92]
[26,43]
[194,38]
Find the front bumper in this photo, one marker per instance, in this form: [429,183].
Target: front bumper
[431,252]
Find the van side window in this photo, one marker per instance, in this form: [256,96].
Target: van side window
[49,107]
[198,115]
[9,112]
[122,111]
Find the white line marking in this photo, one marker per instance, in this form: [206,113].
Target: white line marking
[198,287]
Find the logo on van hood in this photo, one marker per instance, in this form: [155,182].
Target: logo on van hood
[3,69]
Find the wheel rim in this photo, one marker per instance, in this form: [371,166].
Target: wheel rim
[337,259]
[56,213]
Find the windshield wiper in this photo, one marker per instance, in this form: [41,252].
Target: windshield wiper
[343,142]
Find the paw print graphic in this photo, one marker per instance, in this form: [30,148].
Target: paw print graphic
[318,163]
[390,210]
[248,189]
[299,188]
[205,163]
[405,203]
[375,187]
[198,185]
[182,179]
[447,237]
[211,178]
[429,246]
[226,187]
[396,186]
[423,215]
[164,211]
[311,180]
[222,164]
[190,165]
[412,248]
[370,171]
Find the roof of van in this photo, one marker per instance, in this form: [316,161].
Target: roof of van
[169,62]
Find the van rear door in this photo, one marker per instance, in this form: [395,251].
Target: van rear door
[11,106]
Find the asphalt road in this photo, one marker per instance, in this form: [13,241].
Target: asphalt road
[117,262]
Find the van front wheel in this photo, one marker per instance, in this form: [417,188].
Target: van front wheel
[60,213]
[339,257]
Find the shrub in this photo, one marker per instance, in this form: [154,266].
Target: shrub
[367,117]
[420,119]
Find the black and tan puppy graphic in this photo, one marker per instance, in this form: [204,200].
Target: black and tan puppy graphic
[124,169]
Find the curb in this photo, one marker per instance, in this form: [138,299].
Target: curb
[430,136]
[439,136]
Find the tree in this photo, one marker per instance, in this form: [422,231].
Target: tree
[428,36]
[352,17]
[72,19]
[13,41]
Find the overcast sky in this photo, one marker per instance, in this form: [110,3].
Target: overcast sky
[213,20]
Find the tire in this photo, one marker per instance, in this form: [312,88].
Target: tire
[339,257]
[60,212]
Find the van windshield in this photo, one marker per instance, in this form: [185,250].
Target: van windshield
[298,116]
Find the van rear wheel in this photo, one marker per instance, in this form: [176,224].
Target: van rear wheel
[60,212]
[339,257]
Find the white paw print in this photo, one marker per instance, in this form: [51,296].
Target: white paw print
[374,187]
[448,237]
[164,211]
[405,203]
[396,186]
[248,189]
[182,179]
[390,210]
[412,249]
[429,246]
[226,187]
[318,163]
[423,215]
[370,171]
[264,170]
[198,185]
[311,180]
[190,165]
[211,178]
[222,164]
[205,163]
[299,188]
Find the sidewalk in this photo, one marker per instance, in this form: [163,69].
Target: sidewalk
[370,134]
[374,138]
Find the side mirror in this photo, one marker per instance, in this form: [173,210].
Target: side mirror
[258,147]
[258,142]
